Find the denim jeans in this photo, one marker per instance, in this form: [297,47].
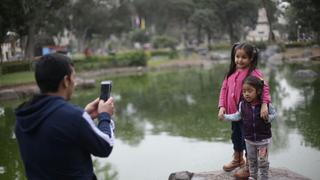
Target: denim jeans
[258,161]
[237,136]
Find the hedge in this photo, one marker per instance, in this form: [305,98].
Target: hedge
[133,58]
[15,66]
[168,53]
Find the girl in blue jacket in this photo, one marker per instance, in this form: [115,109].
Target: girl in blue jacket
[257,131]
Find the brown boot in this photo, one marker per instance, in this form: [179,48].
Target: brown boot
[237,161]
[243,172]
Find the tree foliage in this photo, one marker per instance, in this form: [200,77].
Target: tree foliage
[98,19]
[304,15]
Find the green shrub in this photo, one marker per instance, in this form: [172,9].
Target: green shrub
[164,42]
[282,47]
[296,44]
[167,53]
[261,45]
[15,66]
[220,46]
[134,58]
[139,36]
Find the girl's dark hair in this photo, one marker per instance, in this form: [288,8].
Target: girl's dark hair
[255,82]
[250,50]
[50,70]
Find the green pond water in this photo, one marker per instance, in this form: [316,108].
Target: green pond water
[167,122]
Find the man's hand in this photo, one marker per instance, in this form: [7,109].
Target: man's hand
[92,108]
[264,111]
[222,111]
[106,106]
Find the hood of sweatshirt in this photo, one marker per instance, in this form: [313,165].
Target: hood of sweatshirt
[30,115]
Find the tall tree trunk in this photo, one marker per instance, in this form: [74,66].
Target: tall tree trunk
[233,37]
[1,58]
[82,40]
[271,37]
[13,46]
[198,35]
[29,51]
[209,39]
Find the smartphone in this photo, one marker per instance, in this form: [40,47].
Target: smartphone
[105,90]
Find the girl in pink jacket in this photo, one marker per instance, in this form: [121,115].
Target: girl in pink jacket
[244,60]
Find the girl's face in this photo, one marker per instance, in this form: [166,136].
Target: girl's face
[249,92]
[242,59]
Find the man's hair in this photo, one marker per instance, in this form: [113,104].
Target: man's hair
[50,71]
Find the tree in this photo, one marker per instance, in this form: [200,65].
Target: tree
[304,16]
[98,19]
[27,18]
[270,7]
[205,19]
[236,15]
[10,18]
[180,12]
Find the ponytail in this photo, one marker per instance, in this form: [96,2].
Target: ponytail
[232,67]
[254,62]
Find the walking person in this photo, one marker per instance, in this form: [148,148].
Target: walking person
[56,139]
[257,131]
[244,61]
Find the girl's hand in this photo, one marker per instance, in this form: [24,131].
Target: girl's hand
[264,111]
[222,111]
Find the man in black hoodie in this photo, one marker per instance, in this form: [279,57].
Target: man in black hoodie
[56,139]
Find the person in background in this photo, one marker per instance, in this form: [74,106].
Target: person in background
[56,139]
[244,61]
[257,131]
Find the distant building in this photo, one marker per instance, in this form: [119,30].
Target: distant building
[261,32]
[10,49]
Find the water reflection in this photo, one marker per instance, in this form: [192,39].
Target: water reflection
[11,165]
[175,113]
[104,170]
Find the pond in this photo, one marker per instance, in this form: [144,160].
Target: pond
[167,122]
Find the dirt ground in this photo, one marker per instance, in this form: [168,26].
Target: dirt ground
[301,52]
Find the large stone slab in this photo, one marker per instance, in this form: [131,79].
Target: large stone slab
[274,174]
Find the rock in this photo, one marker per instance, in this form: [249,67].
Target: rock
[276,59]
[219,56]
[18,92]
[269,51]
[184,175]
[305,73]
[274,174]
[315,58]
[8,94]
[85,83]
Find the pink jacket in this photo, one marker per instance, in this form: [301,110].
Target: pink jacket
[231,90]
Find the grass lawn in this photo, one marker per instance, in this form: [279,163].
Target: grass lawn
[154,63]
[27,77]
[17,78]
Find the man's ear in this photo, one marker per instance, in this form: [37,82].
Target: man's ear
[66,81]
